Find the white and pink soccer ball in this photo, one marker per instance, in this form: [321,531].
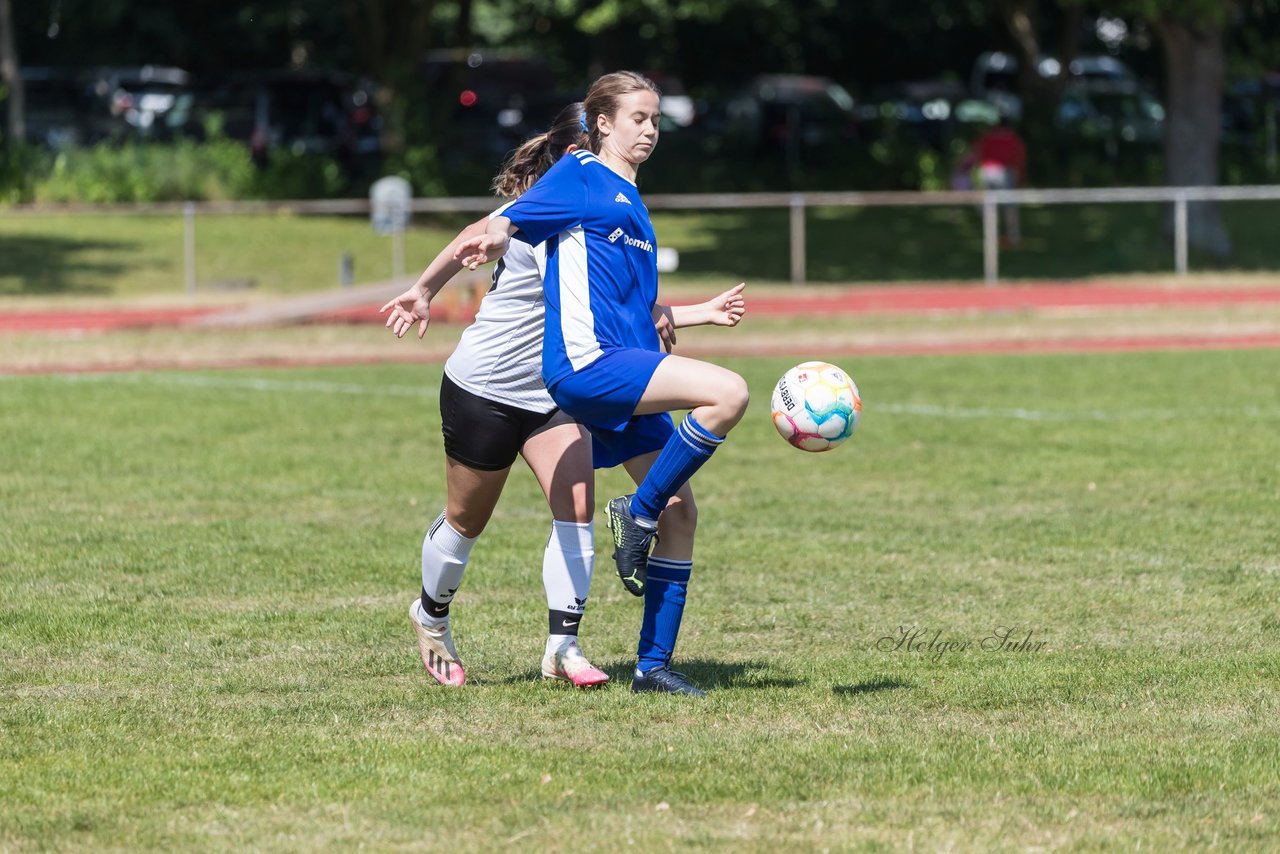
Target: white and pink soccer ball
[816,406]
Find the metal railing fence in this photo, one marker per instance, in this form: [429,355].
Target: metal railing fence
[797,203]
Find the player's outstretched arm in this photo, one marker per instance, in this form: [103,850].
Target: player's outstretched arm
[414,305]
[490,246]
[725,309]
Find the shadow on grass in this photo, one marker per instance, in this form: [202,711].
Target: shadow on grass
[708,675]
[54,265]
[871,686]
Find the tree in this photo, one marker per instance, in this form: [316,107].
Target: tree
[1021,21]
[11,76]
[392,37]
[1192,35]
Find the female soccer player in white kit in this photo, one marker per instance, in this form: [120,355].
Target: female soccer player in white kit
[494,406]
[601,358]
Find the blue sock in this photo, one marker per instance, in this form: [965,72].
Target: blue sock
[685,452]
[664,592]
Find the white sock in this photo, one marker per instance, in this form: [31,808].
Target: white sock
[433,623]
[567,564]
[445,553]
[559,643]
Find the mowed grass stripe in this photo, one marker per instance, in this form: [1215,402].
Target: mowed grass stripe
[274,384]
[204,642]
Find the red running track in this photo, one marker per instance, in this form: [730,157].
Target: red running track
[97,321]
[904,299]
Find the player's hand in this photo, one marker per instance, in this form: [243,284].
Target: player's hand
[727,308]
[666,329]
[405,310]
[481,249]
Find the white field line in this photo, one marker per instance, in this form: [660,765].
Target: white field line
[1099,415]
[427,390]
[430,390]
[928,410]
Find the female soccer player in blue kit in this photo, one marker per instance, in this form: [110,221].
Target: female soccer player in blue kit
[601,357]
[494,407]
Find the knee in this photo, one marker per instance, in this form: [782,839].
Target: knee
[680,517]
[734,397]
[740,395]
[468,525]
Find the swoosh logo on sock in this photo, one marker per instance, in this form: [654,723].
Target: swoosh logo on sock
[568,625]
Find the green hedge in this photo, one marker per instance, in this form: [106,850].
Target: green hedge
[214,170]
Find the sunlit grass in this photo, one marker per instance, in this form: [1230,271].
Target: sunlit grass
[203,638]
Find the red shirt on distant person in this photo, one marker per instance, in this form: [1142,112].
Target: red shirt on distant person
[1001,146]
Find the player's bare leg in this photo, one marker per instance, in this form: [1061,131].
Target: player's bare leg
[560,458]
[472,496]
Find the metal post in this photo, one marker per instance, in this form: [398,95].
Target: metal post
[346,270]
[189,246]
[990,239]
[797,239]
[397,253]
[1180,233]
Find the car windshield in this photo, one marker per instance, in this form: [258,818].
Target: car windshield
[1124,106]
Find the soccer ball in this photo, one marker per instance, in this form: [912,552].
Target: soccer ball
[816,406]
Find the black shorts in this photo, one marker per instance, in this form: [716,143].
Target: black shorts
[484,434]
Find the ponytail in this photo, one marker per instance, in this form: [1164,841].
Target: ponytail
[536,155]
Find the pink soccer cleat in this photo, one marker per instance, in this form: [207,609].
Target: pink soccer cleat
[568,663]
[436,647]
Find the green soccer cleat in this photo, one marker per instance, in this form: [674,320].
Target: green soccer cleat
[632,543]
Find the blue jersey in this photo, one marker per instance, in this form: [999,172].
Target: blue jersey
[602,275]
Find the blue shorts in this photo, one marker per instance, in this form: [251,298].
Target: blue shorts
[643,434]
[606,392]
[603,397]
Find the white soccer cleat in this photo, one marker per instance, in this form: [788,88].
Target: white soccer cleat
[436,646]
[568,663]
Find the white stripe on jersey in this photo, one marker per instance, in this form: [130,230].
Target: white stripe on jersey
[577,323]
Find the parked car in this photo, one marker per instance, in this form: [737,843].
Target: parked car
[139,96]
[484,103]
[994,76]
[927,110]
[312,112]
[1249,112]
[71,106]
[1120,112]
[790,113]
[60,108]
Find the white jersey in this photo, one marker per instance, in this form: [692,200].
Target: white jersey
[499,356]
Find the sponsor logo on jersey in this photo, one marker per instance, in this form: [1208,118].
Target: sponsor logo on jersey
[639,244]
[630,241]
[622,198]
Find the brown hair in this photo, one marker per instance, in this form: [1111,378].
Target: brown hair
[536,155]
[603,97]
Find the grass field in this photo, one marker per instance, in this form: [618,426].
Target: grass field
[203,639]
[94,255]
